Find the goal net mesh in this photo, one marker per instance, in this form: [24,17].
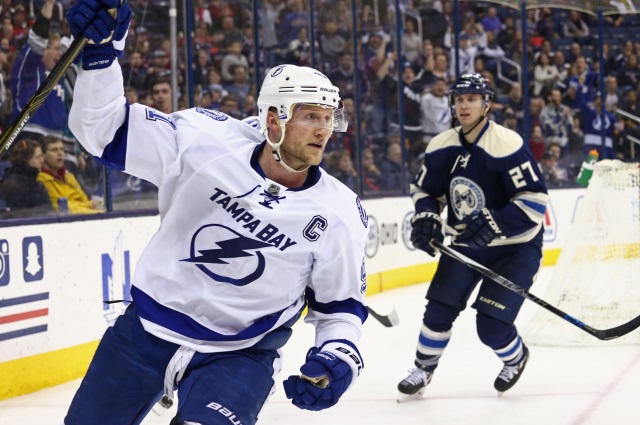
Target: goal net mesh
[597,276]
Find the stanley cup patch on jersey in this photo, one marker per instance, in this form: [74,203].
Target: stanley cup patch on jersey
[466,196]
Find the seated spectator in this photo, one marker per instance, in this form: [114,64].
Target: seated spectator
[629,74]
[554,175]
[556,120]
[162,96]
[545,76]
[230,106]
[20,188]
[61,183]
[370,172]
[536,143]
[233,58]
[491,21]
[134,71]
[332,44]
[613,95]
[240,87]
[340,166]
[575,26]
[299,49]
[391,168]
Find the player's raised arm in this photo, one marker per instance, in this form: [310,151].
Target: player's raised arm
[133,138]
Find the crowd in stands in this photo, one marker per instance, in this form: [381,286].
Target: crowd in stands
[564,107]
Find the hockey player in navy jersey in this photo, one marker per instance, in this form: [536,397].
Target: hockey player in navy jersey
[251,232]
[496,199]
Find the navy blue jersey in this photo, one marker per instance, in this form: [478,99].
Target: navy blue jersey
[27,74]
[497,172]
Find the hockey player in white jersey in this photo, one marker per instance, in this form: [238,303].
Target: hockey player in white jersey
[496,198]
[252,231]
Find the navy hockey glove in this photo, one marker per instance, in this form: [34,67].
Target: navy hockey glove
[92,19]
[427,227]
[327,374]
[482,229]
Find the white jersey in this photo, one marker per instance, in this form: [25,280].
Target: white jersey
[235,252]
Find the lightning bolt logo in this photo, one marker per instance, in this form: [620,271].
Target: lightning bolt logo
[228,248]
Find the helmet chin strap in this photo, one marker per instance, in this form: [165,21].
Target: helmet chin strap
[484,115]
[275,150]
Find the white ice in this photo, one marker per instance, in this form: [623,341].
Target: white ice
[560,386]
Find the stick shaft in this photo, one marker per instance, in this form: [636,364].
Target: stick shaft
[9,136]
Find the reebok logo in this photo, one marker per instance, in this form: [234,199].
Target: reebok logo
[225,412]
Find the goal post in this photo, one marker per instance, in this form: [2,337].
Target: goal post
[597,276]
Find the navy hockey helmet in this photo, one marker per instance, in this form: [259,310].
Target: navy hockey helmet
[471,84]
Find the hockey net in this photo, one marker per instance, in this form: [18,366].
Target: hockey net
[597,276]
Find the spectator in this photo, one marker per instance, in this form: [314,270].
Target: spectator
[441,69]
[233,58]
[370,172]
[131,94]
[435,112]
[391,168]
[536,143]
[411,42]
[332,44]
[230,106]
[343,76]
[592,123]
[293,22]
[32,65]
[575,26]
[158,67]
[299,50]
[509,119]
[507,34]
[20,188]
[556,120]
[562,67]
[492,53]
[466,53]
[134,71]
[546,47]
[629,74]
[340,166]
[61,183]
[491,22]
[201,68]
[514,102]
[241,86]
[162,95]
[631,105]
[584,81]
[545,75]
[612,94]
[554,174]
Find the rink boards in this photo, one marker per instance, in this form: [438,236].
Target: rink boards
[54,278]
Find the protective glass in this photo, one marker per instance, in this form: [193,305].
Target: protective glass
[313,118]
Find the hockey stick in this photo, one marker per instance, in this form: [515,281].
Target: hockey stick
[387,321]
[9,136]
[603,334]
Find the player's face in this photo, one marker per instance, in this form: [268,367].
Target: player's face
[469,108]
[307,134]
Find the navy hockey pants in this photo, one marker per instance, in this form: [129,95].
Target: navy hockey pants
[454,282]
[126,378]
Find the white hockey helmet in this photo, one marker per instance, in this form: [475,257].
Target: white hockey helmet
[288,85]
